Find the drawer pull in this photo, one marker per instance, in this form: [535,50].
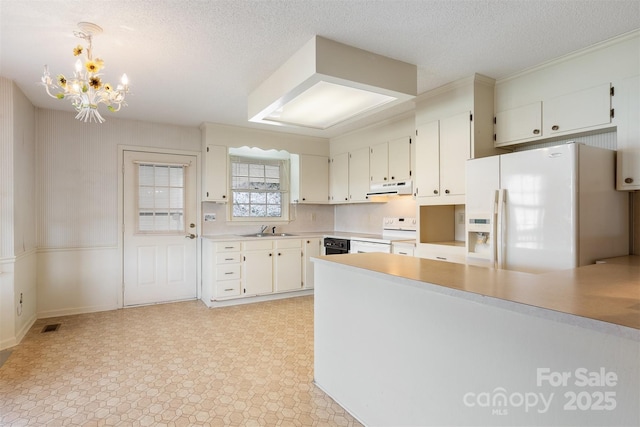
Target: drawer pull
[441,257]
[229,272]
[229,247]
[228,259]
[228,289]
[555,127]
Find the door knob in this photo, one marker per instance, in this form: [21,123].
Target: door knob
[190,236]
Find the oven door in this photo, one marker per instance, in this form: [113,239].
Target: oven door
[362,246]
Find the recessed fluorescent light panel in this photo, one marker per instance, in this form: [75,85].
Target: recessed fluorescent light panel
[326,83]
[326,104]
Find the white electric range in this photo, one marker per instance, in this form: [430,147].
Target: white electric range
[393,229]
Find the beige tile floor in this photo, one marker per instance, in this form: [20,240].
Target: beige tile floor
[178,364]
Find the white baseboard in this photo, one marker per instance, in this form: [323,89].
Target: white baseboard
[260,298]
[75,310]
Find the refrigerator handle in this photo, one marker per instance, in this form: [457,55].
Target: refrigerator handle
[494,228]
[500,238]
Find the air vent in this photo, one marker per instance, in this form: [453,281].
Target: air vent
[51,328]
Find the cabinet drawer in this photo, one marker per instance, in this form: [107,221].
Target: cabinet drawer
[228,247]
[228,272]
[228,288]
[288,243]
[228,258]
[257,245]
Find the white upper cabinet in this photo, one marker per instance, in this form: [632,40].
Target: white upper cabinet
[339,178]
[313,179]
[428,155]
[626,103]
[379,162]
[400,159]
[579,111]
[518,124]
[391,161]
[454,123]
[359,175]
[216,174]
[443,147]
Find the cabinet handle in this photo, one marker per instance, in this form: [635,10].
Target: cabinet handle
[435,191]
[536,131]
[229,272]
[228,259]
[228,289]
[270,254]
[446,191]
[385,178]
[303,199]
[628,180]
[229,247]
[441,257]
[224,196]
[555,127]
[393,177]
[279,254]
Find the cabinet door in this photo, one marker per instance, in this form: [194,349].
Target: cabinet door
[578,110]
[312,248]
[215,183]
[455,150]
[359,175]
[400,159]
[339,178]
[257,272]
[626,103]
[428,160]
[379,162]
[518,124]
[288,269]
[314,179]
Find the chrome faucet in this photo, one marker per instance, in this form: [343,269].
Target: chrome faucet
[263,228]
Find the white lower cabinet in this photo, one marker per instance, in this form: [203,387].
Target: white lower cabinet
[250,268]
[287,265]
[222,274]
[311,247]
[257,267]
[403,248]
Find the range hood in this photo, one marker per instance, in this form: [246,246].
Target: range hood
[390,188]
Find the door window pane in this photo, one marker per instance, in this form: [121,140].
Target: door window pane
[160,198]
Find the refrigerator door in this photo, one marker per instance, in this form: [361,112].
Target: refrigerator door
[482,183]
[540,229]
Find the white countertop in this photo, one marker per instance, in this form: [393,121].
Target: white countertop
[606,292]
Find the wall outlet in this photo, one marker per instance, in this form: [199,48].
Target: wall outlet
[209,217]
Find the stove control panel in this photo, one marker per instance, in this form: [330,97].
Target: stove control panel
[399,223]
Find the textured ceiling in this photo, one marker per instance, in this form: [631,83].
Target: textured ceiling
[191,62]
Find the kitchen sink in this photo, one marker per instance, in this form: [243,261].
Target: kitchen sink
[268,235]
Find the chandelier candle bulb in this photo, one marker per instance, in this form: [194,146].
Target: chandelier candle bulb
[86,89]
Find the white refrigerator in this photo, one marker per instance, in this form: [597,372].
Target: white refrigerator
[545,209]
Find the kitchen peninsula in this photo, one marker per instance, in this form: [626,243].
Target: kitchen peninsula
[410,341]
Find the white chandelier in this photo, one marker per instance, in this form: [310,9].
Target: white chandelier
[85,89]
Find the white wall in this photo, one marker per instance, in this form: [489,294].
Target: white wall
[17,215]
[79,265]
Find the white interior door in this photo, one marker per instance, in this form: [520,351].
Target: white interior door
[159,234]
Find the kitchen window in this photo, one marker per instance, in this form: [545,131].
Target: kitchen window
[259,189]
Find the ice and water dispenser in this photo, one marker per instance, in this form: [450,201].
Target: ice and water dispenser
[480,236]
